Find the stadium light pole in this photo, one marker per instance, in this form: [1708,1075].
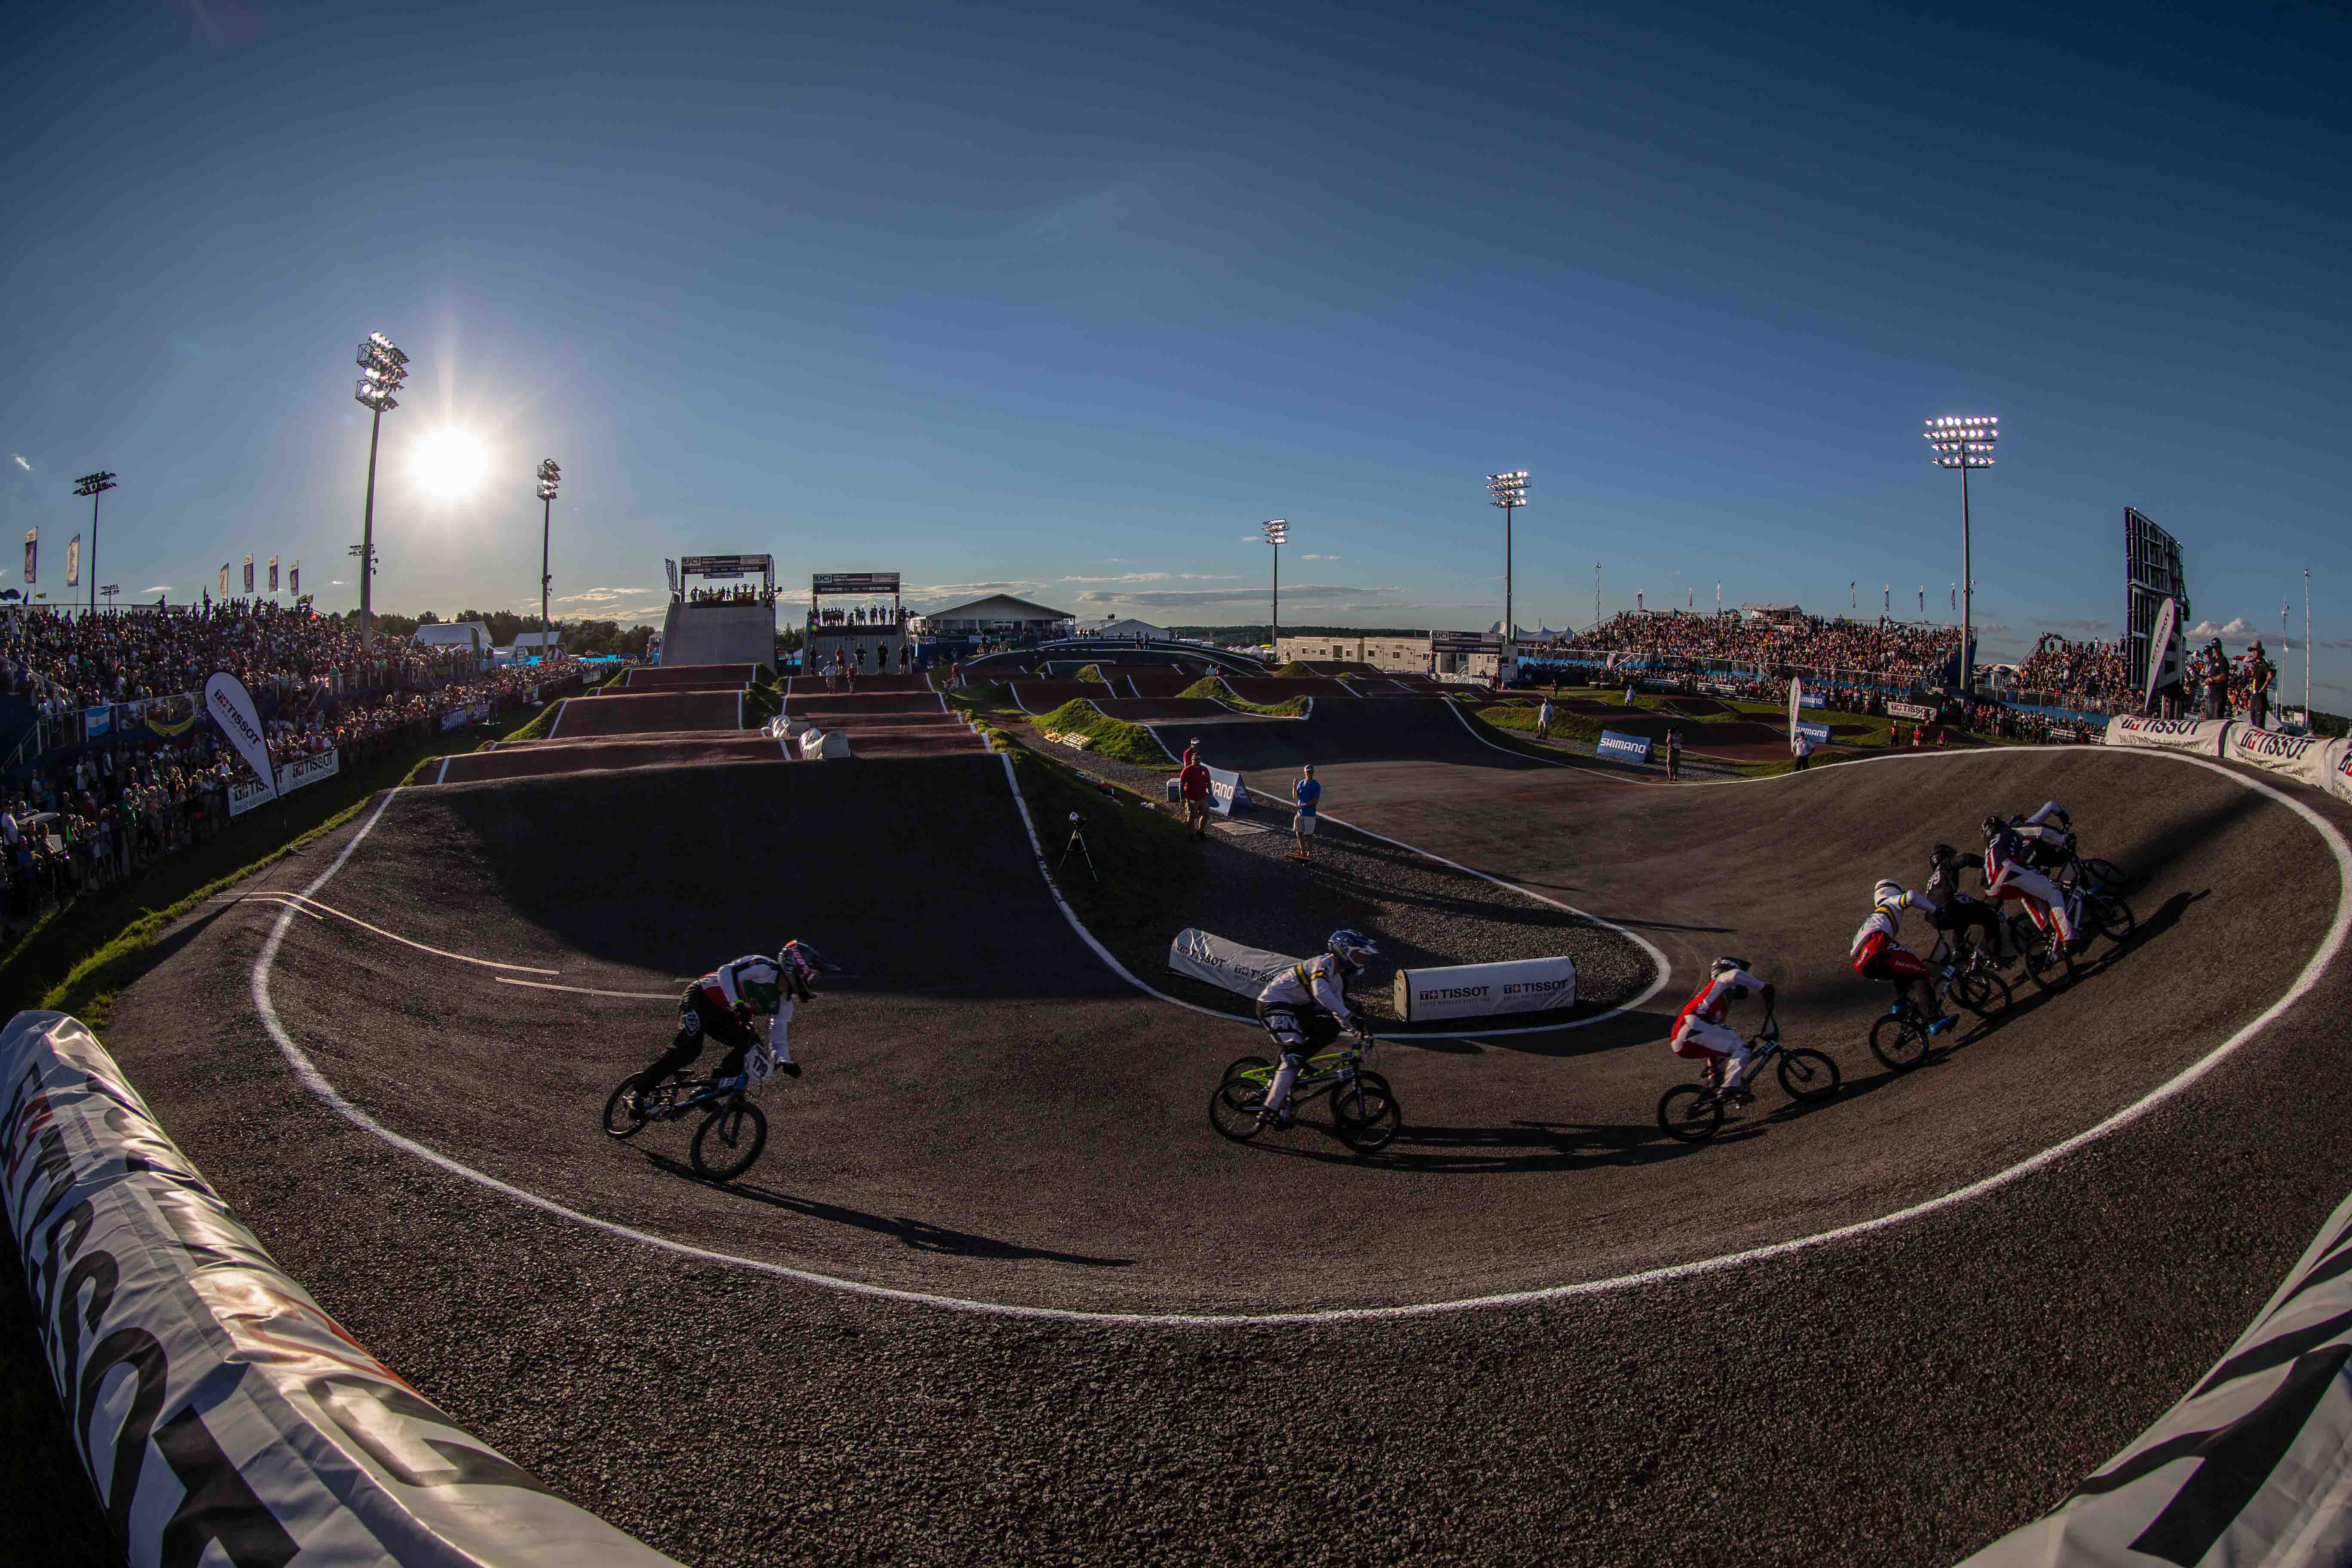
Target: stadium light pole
[1510,492]
[1277,533]
[383,368]
[550,476]
[93,486]
[110,591]
[1965,442]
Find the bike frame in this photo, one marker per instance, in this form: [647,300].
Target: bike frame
[1314,1078]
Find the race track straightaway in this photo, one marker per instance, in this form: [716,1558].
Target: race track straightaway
[1114,1084]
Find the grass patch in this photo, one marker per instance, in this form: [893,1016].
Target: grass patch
[74,959]
[534,731]
[1521,717]
[978,698]
[1215,688]
[1093,672]
[1113,738]
[1145,862]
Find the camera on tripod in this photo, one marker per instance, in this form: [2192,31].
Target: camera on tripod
[1078,842]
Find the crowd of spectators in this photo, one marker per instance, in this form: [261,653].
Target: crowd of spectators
[1901,652]
[2089,674]
[740,595]
[857,616]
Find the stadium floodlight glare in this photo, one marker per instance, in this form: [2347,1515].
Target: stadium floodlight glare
[1510,492]
[1964,441]
[1277,533]
[383,369]
[93,486]
[550,476]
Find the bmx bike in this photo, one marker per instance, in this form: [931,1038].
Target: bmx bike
[1364,1109]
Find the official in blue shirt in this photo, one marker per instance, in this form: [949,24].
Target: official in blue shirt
[1305,793]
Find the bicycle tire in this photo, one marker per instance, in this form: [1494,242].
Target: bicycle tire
[2045,959]
[1983,992]
[1689,1113]
[1899,1042]
[2106,873]
[2115,920]
[1234,1109]
[729,1140]
[625,1116]
[1809,1076]
[1365,1113]
[1239,1065]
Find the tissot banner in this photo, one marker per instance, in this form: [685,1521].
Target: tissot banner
[73,562]
[247,793]
[32,555]
[2202,737]
[1228,964]
[2308,759]
[1919,712]
[2163,651]
[231,706]
[1475,990]
[224,1417]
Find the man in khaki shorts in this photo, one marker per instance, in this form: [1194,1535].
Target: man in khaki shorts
[1306,794]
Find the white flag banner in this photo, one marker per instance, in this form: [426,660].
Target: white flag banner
[1796,700]
[2163,660]
[1226,964]
[73,562]
[231,706]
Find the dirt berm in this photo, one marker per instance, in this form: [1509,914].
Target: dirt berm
[1345,730]
[651,713]
[528,759]
[647,677]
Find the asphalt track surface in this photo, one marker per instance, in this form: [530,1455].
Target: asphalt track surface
[525,759]
[642,677]
[990,1115]
[647,713]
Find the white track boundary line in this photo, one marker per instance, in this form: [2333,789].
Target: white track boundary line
[276,896]
[2325,955]
[588,990]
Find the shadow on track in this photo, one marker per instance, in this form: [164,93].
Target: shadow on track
[919,1236]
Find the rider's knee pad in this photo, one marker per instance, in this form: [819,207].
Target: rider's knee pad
[1294,1059]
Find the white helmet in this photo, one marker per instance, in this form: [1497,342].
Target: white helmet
[1887,890]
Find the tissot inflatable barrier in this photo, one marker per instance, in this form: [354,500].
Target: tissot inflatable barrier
[1229,965]
[2202,736]
[2252,1466]
[2308,758]
[1475,990]
[225,1417]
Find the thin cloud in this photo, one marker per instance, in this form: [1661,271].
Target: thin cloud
[2237,627]
[1180,598]
[20,462]
[158,588]
[334,582]
[2087,624]
[1178,576]
[1322,558]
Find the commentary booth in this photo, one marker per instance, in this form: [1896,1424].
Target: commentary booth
[722,618]
[864,627]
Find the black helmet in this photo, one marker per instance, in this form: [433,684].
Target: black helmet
[1941,854]
[1994,827]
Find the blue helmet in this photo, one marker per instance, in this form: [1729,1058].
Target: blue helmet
[1351,948]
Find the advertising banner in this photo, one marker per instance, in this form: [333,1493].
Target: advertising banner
[1227,794]
[224,580]
[1623,747]
[32,556]
[823,581]
[73,562]
[247,793]
[273,573]
[248,575]
[1919,712]
[1818,734]
[2163,652]
[1796,700]
[294,578]
[2252,1466]
[1478,990]
[231,706]
[224,1417]
[2203,737]
[2306,759]
[670,567]
[1228,964]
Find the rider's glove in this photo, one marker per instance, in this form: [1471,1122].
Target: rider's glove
[1767,996]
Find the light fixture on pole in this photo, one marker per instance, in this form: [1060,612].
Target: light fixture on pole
[93,486]
[1510,493]
[550,476]
[1965,442]
[1277,533]
[383,368]
[110,591]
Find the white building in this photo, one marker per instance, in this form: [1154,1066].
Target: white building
[998,615]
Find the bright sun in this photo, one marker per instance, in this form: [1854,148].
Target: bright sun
[450,463]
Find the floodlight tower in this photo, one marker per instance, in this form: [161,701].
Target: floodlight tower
[1510,493]
[1277,533]
[383,368]
[93,486]
[550,476]
[1965,442]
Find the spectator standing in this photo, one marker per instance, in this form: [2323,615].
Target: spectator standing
[1192,783]
[2217,680]
[1543,720]
[1804,746]
[1307,795]
[1673,757]
[2260,674]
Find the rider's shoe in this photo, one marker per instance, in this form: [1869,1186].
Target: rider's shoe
[1944,1023]
[1280,1121]
[1737,1097]
[2077,942]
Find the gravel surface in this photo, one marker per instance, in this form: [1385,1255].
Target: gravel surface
[983,1123]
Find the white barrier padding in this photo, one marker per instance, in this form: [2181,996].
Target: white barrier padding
[2204,737]
[2306,759]
[2253,1466]
[1476,989]
[1229,965]
[223,1416]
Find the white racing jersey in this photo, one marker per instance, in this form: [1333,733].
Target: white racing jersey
[752,979]
[1886,919]
[1315,983]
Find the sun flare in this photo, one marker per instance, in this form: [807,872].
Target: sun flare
[450,464]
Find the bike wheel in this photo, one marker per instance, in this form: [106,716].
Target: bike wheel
[1899,1042]
[1365,1113]
[2044,959]
[2106,873]
[623,1116]
[1810,1077]
[1234,1109]
[729,1140]
[1689,1113]
[1983,992]
[2110,917]
[1239,1065]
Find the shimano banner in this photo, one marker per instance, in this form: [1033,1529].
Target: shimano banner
[223,1415]
[1475,990]
[1818,734]
[231,706]
[2306,759]
[2252,1468]
[1227,794]
[1623,747]
[1225,964]
[2202,736]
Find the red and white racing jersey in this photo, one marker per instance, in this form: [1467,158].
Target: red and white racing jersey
[1713,998]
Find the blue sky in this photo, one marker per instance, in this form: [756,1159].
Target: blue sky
[1069,300]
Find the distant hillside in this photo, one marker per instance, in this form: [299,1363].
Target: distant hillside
[1250,636]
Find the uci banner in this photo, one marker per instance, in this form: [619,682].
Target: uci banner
[2201,737]
[231,706]
[224,1417]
